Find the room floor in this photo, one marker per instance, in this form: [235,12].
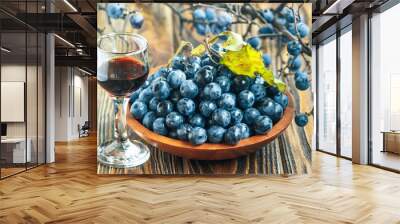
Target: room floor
[387,159]
[70,191]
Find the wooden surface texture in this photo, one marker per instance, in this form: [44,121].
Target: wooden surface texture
[70,191]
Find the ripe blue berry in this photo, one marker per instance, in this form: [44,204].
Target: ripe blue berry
[227,101]
[175,78]
[211,15]
[197,136]
[138,109]
[266,29]
[224,82]
[289,14]
[183,131]
[201,29]
[277,114]
[178,62]
[215,134]
[267,107]
[189,89]
[145,95]
[303,29]
[258,90]
[268,15]
[244,130]
[186,106]
[153,103]
[221,117]
[173,120]
[212,91]
[241,82]
[164,107]
[199,14]
[114,10]
[300,75]
[160,89]
[233,135]
[294,63]
[255,42]
[159,126]
[191,70]
[267,60]
[262,125]
[250,115]
[246,99]
[204,75]
[224,19]
[294,47]
[136,20]
[282,99]
[301,119]
[148,119]
[236,116]
[197,121]
[207,107]
[301,81]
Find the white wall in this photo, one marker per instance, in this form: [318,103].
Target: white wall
[71,102]
[9,73]
[34,124]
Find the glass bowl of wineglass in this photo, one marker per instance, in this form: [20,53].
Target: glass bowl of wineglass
[122,67]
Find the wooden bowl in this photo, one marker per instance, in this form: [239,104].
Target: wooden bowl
[208,151]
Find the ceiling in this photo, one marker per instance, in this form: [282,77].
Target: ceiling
[331,15]
[72,20]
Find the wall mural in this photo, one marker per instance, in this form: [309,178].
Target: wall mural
[211,89]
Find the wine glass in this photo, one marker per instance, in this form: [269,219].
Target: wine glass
[122,67]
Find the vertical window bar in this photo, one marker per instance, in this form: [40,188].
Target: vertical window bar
[369,78]
[0,95]
[26,86]
[338,74]
[37,89]
[317,98]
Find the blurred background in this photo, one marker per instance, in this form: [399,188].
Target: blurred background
[165,25]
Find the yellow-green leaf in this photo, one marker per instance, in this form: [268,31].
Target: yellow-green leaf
[248,61]
[199,50]
[234,41]
[281,86]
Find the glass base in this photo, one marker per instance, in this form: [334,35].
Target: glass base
[123,154]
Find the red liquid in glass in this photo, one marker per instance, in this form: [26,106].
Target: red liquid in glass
[122,76]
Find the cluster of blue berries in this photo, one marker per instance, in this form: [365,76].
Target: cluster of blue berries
[199,101]
[118,11]
[209,20]
[286,17]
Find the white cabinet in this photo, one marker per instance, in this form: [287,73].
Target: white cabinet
[19,155]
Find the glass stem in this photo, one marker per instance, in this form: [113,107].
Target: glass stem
[120,107]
